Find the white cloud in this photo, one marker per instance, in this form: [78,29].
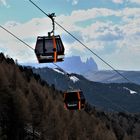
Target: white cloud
[123,1]
[101,29]
[118,1]
[122,38]
[134,1]
[82,15]
[30,29]
[4,2]
[69,22]
[18,51]
[75,2]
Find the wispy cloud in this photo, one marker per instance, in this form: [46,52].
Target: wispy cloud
[4,3]
[134,1]
[73,2]
[108,38]
[118,1]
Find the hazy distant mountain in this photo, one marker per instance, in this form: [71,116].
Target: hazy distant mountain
[112,97]
[112,77]
[74,64]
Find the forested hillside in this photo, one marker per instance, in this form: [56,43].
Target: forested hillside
[30,109]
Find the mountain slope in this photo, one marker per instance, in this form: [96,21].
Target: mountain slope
[111,97]
[89,70]
[112,77]
[31,109]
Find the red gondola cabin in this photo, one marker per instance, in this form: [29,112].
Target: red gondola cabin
[74,100]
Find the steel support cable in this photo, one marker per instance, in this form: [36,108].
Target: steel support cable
[84,45]
[67,74]
[29,46]
[16,37]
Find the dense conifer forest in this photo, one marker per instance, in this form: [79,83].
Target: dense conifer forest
[30,109]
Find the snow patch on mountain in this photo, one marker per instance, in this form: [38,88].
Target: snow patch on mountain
[131,91]
[58,71]
[74,79]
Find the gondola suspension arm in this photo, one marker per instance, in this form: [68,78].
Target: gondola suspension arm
[51,16]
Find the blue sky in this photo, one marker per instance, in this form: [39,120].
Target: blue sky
[111,28]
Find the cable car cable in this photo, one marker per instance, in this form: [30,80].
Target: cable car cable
[84,45]
[16,37]
[66,73]
[58,66]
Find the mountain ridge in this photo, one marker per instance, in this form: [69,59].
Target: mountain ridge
[97,94]
[74,64]
[71,64]
[110,76]
[89,70]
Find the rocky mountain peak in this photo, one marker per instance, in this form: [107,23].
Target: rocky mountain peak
[74,64]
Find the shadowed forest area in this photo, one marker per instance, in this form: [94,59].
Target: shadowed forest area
[30,109]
